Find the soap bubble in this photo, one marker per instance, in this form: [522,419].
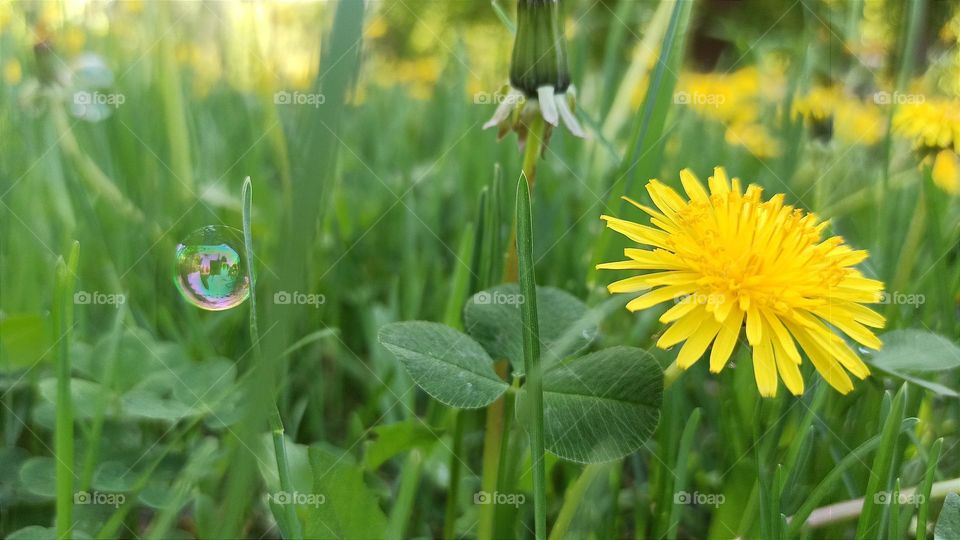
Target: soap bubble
[210,272]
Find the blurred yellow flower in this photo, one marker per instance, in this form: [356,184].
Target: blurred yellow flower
[73,40]
[729,260]
[931,124]
[754,138]
[12,72]
[728,97]
[817,104]
[856,122]
[946,171]
[848,118]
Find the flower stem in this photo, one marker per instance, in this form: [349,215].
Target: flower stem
[531,153]
[492,440]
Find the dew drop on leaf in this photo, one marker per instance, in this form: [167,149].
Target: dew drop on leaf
[209,271]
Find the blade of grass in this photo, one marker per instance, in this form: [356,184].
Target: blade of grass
[680,471]
[894,505]
[276,422]
[96,430]
[824,488]
[531,353]
[923,513]
[882,462]
[63,444]
[575,493]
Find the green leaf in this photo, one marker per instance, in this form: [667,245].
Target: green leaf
[948,524]
[38,476]
[492,317]
[85,395]
[907,353]
[602,406]
[447,364]
[115,477]
[25,341]
[392,439]
[144,404]
[917,350]
[349,509]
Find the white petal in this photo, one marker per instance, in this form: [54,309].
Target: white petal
[501,114]
[569,119]
[548,107]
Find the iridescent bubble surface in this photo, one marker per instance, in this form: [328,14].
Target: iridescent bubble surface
[210,272]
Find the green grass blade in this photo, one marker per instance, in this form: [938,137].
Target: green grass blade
[531,353]
[923,514]
[829,482]
[680,471]
[868,525]
[63,443]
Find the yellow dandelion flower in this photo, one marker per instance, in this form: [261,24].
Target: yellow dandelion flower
[933,123]
[818,104]
[727,97]
[833,113]
[946,171]
[859,123]
[730,260]
[754,138]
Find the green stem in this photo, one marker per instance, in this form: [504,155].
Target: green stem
[275,420]
[531,355]
[403,507]
[450,512]
[63,438]
[575,493]
[492,440]
[531,153]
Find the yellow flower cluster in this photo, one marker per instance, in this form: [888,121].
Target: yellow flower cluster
[933,126]
[736,100]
